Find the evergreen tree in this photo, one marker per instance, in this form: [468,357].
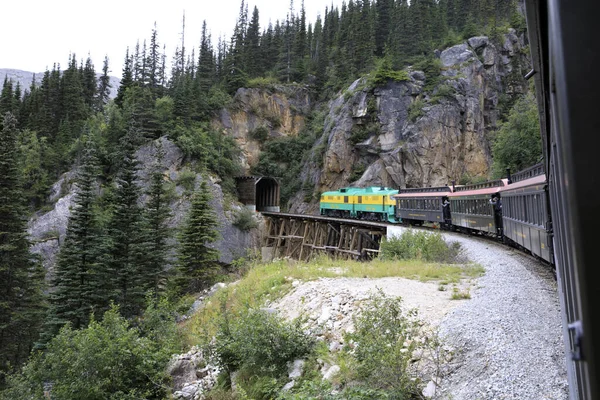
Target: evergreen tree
[320,59]
[251,47]
[364,35]
[72,97]
[125,234]
[35,177]
[157,232]
[21,274]
[206,72]
[235,74]
[286,56]
[300,48]
[76,284]
[29,104]
[383,23]
[153,61]
[104,86]
[138,109]
[197,262]
[126,80]
[268,49]
[89,83]
[6,97]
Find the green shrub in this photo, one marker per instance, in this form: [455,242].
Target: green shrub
[261,133]
[358,133]
[432,67]
[357,172]
[428,246]
[415,109]
[186,179]
[274,119]
[218,98]
[265,82]
[385,72]
[384,343]
[260,342]
[244,220]
[442,91]
[107,360]
[460,295]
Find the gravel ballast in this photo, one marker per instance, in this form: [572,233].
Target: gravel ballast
[506,339]
[509,333]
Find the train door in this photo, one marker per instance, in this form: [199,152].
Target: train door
[446,210]
[496,204]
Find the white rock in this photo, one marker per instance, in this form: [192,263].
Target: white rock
[429,390]
[325,315]
[331,372]
[296,369]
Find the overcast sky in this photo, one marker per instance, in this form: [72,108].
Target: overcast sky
[35,34]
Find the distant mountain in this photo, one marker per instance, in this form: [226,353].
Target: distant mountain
[25,78]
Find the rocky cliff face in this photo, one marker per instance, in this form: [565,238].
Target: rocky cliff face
[47,230]
[426,138]
[260,114]
[403,135]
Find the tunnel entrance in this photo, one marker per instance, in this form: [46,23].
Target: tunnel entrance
[259,193]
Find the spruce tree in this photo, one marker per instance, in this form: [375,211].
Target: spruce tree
[197,262]
[251,46]
[73,98]
[157,232]
[104,86]
[6,97]
[383,24]
[89,83]
[153,61]
[126,80]
[35,176]
[21,274]
[76,284]
[125,252]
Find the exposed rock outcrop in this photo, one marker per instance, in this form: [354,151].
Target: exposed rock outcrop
[278,111]
[414,133]
[47,230]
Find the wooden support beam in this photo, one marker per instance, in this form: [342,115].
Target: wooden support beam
[300,237]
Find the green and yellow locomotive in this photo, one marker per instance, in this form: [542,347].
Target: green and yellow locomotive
[371,203]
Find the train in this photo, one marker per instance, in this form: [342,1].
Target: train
[371,203]
[567,84]
[515,210]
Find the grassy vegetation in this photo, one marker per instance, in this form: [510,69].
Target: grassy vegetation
[379,358]
[271,281]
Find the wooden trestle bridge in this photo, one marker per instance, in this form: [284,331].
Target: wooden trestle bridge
[303,236]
